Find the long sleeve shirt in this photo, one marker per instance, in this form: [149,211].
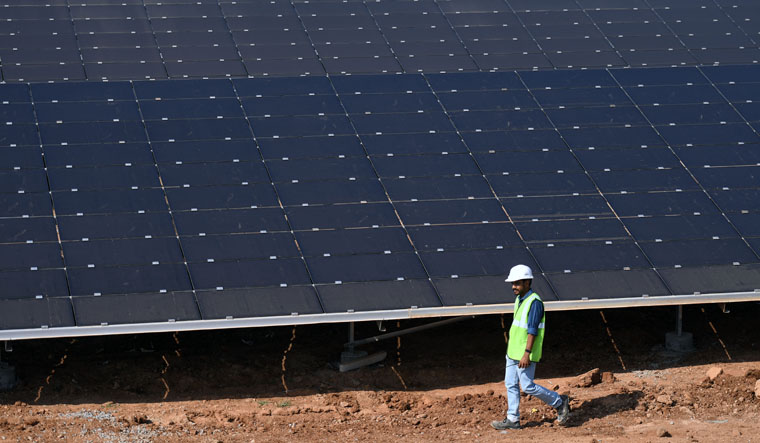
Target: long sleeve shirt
[535,315]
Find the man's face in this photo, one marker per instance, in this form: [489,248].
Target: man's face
[520,287]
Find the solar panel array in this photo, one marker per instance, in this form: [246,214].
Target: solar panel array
[256,197]
[151,198]
[141,39]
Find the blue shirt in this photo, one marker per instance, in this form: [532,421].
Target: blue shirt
[535,315]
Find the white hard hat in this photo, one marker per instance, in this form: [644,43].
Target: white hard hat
[519,272]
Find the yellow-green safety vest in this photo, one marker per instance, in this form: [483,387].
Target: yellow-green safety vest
[518,332]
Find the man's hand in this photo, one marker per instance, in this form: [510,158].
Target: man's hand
[524,361]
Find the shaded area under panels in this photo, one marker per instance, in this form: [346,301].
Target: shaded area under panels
[194,204]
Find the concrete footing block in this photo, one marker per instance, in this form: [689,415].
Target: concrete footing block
[8,378]
[679,343]
[360,362]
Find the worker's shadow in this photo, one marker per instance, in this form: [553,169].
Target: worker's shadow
[581,412]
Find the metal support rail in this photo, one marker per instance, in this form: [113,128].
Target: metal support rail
[393,314]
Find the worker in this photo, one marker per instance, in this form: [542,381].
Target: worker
[526,337]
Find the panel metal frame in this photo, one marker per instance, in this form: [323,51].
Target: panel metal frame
[394,314]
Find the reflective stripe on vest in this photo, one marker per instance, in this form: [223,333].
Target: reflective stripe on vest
[518,332]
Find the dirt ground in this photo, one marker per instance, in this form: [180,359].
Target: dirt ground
[444,384]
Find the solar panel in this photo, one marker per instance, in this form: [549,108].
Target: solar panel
[309,159]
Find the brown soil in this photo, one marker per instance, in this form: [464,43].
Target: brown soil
[275,384]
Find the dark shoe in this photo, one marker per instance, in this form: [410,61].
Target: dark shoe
[505,424]
[563,411]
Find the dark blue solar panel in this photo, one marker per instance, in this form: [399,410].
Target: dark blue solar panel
[107,226]
[208,174]
[128,279]
[353,241]
[629,158]
[504,163]
[736,200]
[135,251]
[300,126]
[709,226]
[475,82]
[249,273]
[435,188]
[561,79]
[520,140]
[644,180]
[391,102]
[27,284]
[368,215]
[29,256]
[213,248]
[308,147]
[661,203]
[481,100]
[558,183]
[111,154]
[582,96]
[201,129]
[455,264]
[451,211]
[420,143]
[109,201]
[100,132]
[571,230]
[131,177]
[709,134]
[691,252]
[331,192]
[21,157]
[691,114]
[379,84]
[30,229]
[425,165]
[225,221]
[596,116]
[598,256]
[222,197]
[370,267]
[571,155]
[320,169]
[205,151]
[464,236]
[544,207]
[190,109]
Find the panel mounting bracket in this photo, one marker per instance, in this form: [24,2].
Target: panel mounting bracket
[351,359]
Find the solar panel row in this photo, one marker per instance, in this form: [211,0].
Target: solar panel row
[129,40]
[176,200]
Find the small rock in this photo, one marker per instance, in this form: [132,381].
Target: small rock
[663,433]
[608,377]
[421,415]
[345,404]
[590,378]
[555,387]
[664,399]
[714,372]
[489,392]
[141,419]
[757,389]
[736,433]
